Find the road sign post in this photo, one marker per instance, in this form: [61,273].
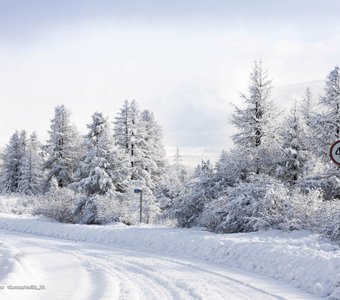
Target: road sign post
[139,191]
[335,153]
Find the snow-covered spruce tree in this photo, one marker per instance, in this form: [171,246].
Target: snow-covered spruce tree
[103,169]
[31,170]
[12,161]
[255,123]
[62,148]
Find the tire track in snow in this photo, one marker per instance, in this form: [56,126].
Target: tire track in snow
[137,280]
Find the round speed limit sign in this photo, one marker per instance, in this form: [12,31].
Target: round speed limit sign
[335,153]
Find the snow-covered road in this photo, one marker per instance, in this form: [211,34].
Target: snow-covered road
[64,269]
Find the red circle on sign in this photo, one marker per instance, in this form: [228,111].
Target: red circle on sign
[331,153]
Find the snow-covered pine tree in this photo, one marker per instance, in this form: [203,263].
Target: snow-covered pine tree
[12,161]
[32,177]
[61,148]
[103,169]
[255,123]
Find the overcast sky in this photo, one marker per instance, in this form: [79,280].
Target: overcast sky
[185,60]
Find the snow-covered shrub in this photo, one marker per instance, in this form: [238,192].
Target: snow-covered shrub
[329,184]
[102,209]
[262,203]
[301,209]
[327,220]
[57,204]
[17,204]
[249,206]
[265,203]
[127,209]
[114,207]
[85,210]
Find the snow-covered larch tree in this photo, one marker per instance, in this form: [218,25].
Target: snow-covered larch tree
[139,135]
[32,177]
[326,131]
[255,122]
[149,154]
[62,148]
[123,127]
[327,122]
[307,107]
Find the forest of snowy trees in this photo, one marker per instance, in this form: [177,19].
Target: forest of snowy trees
[277,175]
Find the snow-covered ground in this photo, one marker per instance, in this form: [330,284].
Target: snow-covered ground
[153,262]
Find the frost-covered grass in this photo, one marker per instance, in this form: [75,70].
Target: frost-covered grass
[300,257]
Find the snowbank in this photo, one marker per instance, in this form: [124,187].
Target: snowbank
[16,273]
[299,258]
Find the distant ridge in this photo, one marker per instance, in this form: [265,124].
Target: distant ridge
[299,84]
[286,94]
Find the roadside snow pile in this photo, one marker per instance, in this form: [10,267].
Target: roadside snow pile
[300,258]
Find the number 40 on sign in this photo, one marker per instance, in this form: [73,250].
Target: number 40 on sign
[335,153]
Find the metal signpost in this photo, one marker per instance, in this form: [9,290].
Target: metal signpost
[335,153]
[139,191]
